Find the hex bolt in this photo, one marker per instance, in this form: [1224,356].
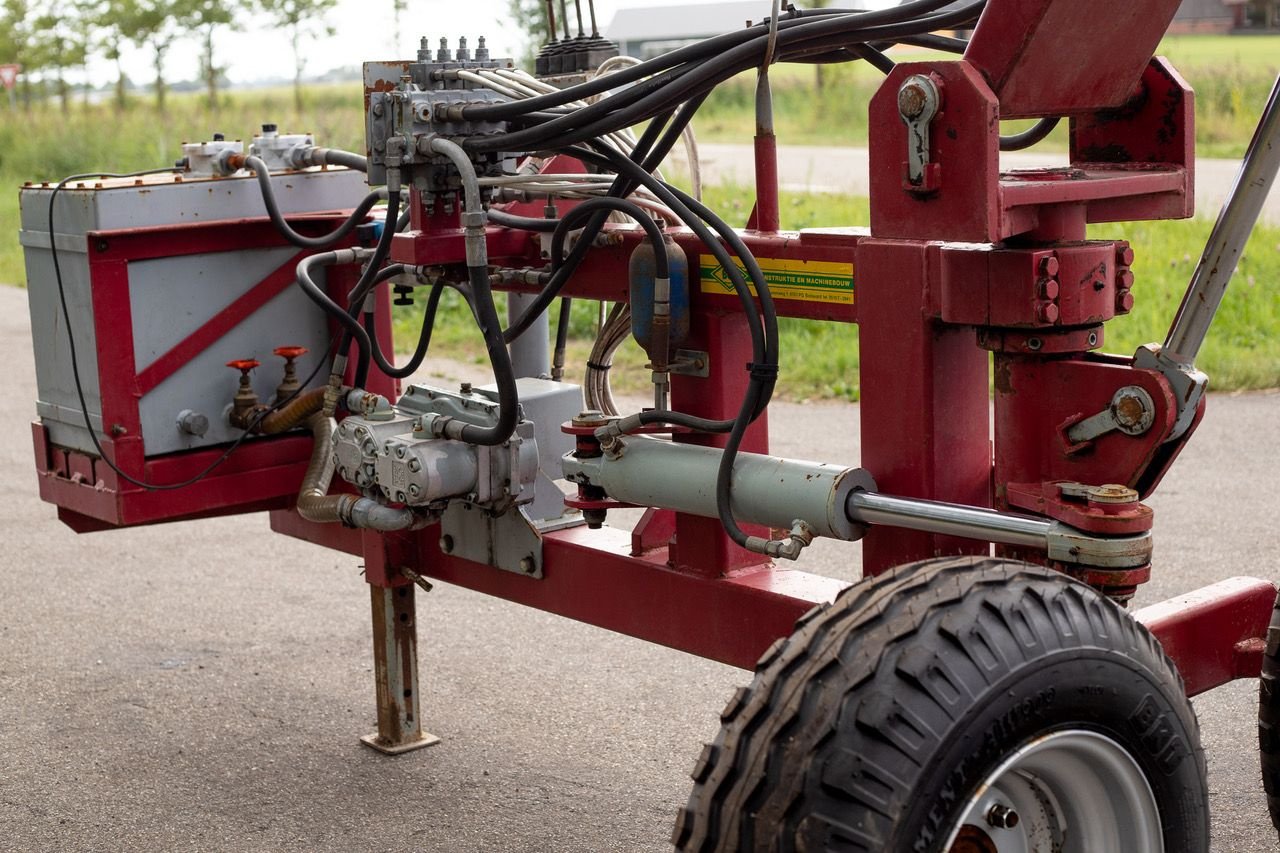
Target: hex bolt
[1111,493]
[446,544]
[1049,266]
[1124,302]
[1002,817]
[528,565]
[1046,312]
[1048,288]
[378,109]
[465,388]
[1124,255]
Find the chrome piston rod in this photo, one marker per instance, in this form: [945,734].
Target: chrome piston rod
[1230,234]
[948,519]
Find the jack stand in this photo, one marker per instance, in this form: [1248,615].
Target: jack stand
[395,672]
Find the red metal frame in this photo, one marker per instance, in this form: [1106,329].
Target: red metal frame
[1036,294]
[261,474]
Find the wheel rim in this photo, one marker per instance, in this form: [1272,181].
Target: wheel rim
[1072,791]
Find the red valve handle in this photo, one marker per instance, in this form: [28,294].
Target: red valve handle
[244,364]
[290,352]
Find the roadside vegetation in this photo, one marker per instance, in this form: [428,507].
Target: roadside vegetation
[1232,76]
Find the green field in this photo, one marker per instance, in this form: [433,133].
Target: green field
[820,360]
[1232,76]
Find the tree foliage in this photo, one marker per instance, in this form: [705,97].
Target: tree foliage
[303,20]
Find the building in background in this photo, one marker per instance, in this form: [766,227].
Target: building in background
[648,31]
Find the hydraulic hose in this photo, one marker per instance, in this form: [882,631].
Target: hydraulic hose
[350,325]
[333,157]
[302,241]
[1030,136]
[486,314]
[294,413]
[317,505]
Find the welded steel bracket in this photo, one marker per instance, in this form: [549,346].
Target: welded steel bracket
[510,540]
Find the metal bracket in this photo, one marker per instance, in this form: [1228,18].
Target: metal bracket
[1131,411]
[918,103]
[690,362]
[509,540]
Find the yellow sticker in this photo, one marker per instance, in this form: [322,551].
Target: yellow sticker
[807,281]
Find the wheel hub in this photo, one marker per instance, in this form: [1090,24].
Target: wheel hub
[1071,791]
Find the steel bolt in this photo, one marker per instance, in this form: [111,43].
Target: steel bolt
[1046,312]
[465,388]
[1048,288]
[1002,817]
[414,465]
[1111,493]
[911,100]
[1049,266]
[1124,255]
[528,565]
[446,544]
[1124,302]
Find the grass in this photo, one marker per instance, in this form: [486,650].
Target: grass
[1232,76]
[820,360]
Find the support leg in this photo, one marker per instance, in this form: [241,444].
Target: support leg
[395,672]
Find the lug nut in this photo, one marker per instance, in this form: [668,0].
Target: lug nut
[1002,817]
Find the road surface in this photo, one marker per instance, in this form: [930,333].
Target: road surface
[821,168]
[201,686]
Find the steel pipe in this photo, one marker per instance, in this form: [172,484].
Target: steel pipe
[1230,234]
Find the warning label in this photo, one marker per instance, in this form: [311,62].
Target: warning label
[806,281]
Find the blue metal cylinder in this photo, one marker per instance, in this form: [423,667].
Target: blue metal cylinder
[643,276]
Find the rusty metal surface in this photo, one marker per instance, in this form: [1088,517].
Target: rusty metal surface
[395,672]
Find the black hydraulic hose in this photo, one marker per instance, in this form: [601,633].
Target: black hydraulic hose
[595,207]
[562,338]
[503,373]
[524,223]
[352,330]
[604,116]
[692,53]
[607,157]
[424,338]
[1031,135]
[302,241]
[662,267]
[361,290]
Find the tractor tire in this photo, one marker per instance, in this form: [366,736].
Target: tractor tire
[1269,717]
[961,704]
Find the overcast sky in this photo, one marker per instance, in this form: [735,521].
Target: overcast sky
[363,31]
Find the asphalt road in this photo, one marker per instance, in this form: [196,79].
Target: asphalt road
[201,686]
[835,169]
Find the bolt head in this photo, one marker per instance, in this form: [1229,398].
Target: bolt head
[528,565]
[911,100]
[446,544]
[414,465]
[1111,493]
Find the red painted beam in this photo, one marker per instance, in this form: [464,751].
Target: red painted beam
[1214,634]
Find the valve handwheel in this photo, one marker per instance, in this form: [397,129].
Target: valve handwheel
[959,705]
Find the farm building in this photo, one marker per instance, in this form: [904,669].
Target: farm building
[646,31]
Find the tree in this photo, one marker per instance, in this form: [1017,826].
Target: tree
[60,45]
[304,19]
[207,17]
[17,41]
[535,20]
[154,24]
[116,26]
